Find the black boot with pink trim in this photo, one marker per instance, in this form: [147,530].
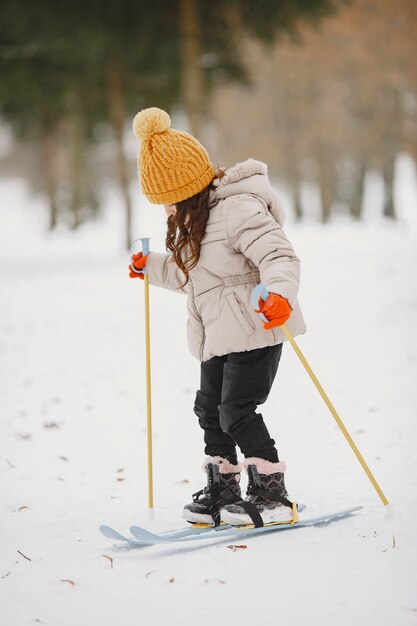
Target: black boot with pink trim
[266,497]
[222,488]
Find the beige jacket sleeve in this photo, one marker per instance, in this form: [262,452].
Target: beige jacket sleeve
[254,232]
[165,273]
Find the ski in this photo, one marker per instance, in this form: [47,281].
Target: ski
[193,530]
[111,533]
[147,537]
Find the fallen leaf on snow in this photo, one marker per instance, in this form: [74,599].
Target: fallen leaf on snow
[67,580]
[120,478]
[51,425]
[234,548]
[24,555]
[183,482]
[23,435]
[149,573]
[172,580]
[63,458]
[23,507]
[110,559]
[221,582]
[10,464]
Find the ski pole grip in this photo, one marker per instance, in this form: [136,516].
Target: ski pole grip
[145,251]
[260,291]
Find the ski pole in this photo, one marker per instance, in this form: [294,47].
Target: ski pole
[260,291]
[145,252]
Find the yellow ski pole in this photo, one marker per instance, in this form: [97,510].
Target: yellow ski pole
[145,252]
[261,292]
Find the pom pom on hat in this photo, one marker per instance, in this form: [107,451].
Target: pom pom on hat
[149,122]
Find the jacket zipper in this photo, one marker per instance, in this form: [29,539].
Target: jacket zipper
[202,344]
[243,312]
[204,331]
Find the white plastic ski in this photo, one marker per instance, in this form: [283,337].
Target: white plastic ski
[152,538]
[141,536]
[192,531]
[111,533]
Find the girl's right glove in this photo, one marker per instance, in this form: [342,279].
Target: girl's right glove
[276,309]
[139,262]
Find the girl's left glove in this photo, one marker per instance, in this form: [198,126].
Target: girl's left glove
[276,309]
[139,263]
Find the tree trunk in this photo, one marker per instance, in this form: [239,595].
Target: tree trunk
[357,196]
[388,174]
[192,80]
[77,163]
[118,115]
[326,187]
[296,195]
[49,157]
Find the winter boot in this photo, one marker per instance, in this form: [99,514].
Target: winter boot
[222,488]
[266,497]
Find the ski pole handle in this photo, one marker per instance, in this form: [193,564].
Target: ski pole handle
[260,291]
[145,251]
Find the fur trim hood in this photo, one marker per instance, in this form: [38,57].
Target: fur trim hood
[249,177]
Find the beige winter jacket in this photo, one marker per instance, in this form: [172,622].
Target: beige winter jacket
[244,244]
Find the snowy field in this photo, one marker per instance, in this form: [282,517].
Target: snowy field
[73,434]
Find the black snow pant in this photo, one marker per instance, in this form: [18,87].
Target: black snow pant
[231,388]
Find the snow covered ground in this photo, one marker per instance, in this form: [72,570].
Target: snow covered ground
[73,435]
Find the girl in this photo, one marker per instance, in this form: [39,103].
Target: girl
[224,236]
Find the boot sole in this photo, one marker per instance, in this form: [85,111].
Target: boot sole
[285,515]
[197,518]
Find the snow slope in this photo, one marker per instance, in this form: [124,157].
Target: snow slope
[73,436]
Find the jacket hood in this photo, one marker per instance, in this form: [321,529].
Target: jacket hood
[249,177]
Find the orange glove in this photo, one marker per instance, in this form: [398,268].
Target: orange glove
[276,309]
[139,263]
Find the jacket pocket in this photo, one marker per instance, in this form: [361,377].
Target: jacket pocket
[240,312]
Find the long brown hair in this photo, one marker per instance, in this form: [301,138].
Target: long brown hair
[187,227]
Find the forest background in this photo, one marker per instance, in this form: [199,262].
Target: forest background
[324,91]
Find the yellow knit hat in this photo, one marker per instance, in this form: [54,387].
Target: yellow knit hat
[172,165]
